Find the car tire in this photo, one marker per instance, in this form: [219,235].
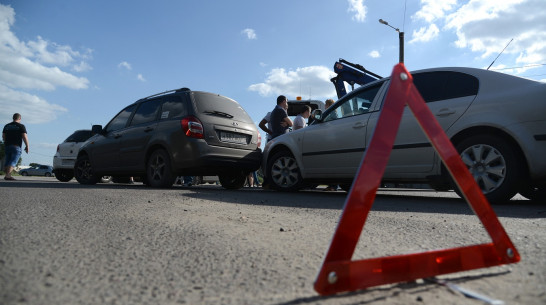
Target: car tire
[83,171]
[233,181]
[105,179]
[47,174]
[533,192]
[158,170]
[495,165]
[284,173]
[64,175]
[24,174]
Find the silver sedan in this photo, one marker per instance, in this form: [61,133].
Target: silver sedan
[496,121]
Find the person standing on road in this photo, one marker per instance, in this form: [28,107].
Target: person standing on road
[13,135]
[299,121]
[266,126]
[279,120]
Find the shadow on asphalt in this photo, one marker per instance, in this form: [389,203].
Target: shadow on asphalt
[405,201]
[412,288]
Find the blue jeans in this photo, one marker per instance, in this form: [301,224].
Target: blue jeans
[13,153]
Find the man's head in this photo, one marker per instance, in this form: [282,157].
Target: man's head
[306,111]
[16,117]
[282,101]
[329,102]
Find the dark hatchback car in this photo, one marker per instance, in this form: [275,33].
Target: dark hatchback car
[170,134]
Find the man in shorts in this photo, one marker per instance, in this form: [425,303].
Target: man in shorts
[13,136]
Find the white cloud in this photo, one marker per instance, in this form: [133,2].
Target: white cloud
[34,65]
[486,26]
[33,109]
[359,9]
[141,78]
[425,34]
[433,9]
[250,34]
[374,54]
[125,65]
[313,81]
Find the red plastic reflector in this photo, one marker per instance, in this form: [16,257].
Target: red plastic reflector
[338,273]
[192,127]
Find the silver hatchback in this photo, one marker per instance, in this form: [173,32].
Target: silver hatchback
[496,121]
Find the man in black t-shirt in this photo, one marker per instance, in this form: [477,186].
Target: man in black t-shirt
[13,136]
[279,119]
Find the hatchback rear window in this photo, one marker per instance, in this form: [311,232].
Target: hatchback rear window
[79,136]
[219,106]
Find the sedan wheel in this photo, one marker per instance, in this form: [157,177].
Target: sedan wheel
[284,173]
[83,171]
[494,164]
[24,174]
[158,171]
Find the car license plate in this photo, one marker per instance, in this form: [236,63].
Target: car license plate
[233,137]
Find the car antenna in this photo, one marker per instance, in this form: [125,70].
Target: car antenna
[500,54]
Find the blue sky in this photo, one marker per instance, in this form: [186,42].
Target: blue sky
[68,64]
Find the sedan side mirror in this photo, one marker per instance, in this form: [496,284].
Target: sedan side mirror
[96,129]
[317,114]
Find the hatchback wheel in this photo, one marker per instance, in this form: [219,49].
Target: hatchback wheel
[24,174]
[64,175]
[284,173]
[83,171]
[105,179]
[495,165]
[158,170]
[48,174]
[233,181]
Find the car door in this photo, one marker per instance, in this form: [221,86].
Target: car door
[334,146]
[105,148]
[134,139]
[448,94]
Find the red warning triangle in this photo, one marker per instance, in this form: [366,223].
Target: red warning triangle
[338,273]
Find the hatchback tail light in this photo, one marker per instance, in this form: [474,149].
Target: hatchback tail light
[192,127]
[259,139]
[58,148]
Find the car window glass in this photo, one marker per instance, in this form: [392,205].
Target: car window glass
[215,105]
[146,112]
[443,85]
[355,104]
[173,107]
[120,120]
[79,136]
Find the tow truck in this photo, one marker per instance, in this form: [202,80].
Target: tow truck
[352,74]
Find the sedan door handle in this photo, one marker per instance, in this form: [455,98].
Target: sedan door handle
[148,129]
[445,112]
[359,125]
[117,135]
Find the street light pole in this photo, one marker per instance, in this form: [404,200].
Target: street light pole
[400,38]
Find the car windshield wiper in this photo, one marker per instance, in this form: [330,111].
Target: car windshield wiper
[219,113]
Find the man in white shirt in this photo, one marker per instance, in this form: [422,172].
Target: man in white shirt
[299,121]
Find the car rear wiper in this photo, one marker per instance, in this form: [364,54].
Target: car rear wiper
[219,113]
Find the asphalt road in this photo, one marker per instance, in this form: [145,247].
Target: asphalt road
[64,243]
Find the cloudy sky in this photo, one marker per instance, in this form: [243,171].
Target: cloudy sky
[65,65]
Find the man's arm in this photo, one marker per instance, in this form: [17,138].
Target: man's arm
[288,121]
[263,126]
[25,139]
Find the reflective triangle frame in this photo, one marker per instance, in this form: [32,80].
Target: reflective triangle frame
[338,273]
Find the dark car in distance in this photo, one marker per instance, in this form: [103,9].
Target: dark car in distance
[174,133]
